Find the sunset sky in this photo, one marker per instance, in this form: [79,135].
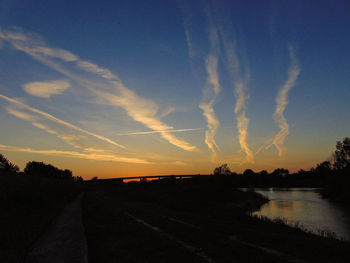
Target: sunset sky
[127,88]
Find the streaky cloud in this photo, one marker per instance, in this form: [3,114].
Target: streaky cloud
[187,28]
[35,46]
[46,89]
[240,84]
[169,110]
[20,114]
[211,64]
[189,43]
[282,102]
[179,163]
[187,23]
[72,154]
[93,68]
[143,111]
[140,109]
[242,121]
[210,95]
[153,132]
[266,145]
[50,117]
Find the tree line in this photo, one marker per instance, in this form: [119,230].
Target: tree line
[38,169]
[333,176]
[339,165]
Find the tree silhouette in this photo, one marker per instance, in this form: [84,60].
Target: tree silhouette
[6,167]
[341,155]
[222,170]
[263,173]
[46,170]
[324,168]
[248,172]
[280,172]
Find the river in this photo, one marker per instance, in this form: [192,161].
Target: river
[306,206]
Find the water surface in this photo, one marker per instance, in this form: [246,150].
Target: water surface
[305,205]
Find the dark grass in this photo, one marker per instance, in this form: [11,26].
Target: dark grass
[28,205]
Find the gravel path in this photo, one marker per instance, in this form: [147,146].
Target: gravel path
[64,241]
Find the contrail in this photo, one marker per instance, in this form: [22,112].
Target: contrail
[72,154]
[242,121]
[282,102]
[210,96]
[240,94]
[140,109]
[187,23]
[153,132]
[211,63]
[57,120]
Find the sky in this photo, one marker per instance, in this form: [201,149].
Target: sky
[131,88]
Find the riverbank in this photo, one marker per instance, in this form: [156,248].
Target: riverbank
[191,221]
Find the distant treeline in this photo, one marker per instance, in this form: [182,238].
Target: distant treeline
[333,176]
[37,169]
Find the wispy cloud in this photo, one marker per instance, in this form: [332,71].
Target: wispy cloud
[143,111]
[189,43]
[179,163]
[18,107]
[242,121]
[167,111]
[187,22]
[33,45]
[46,89]
[266,145]
[71,154]
[282,102]
[210,94]
[93,68]
[114,92]
[20,114]
[240,83]
[153,132]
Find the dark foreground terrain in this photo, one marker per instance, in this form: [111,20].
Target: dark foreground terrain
[29,205]
[192,221]
[189,220]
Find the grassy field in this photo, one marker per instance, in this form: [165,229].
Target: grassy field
[192,221]
[28,206]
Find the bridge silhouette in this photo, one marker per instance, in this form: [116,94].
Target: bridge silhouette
[154,177]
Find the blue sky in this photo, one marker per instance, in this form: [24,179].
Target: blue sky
[153,87]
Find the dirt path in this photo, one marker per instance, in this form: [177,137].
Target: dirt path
[64,242]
